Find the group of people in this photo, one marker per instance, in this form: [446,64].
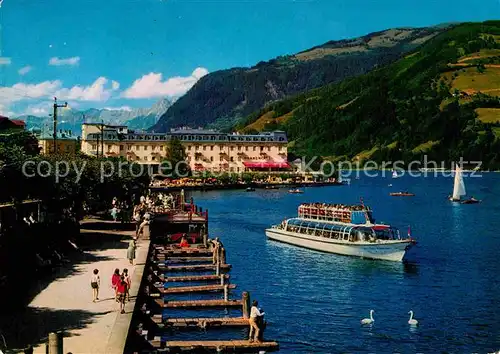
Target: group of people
[120,210]
[332,207]
[119,282]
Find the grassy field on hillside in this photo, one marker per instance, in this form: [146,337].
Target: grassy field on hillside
[470,80]
[488,115]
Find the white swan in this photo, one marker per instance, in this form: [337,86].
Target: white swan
[412,321]
[368,320]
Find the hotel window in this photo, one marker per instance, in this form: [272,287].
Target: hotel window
[189,147]
[153,147]
[161,148]
[204,148]
[129,147]
[254,148]
[221,159]
[268,148]
[261,148]
[137,147]
[197,148]
[145,158]
[232,159]
[232,148]
[121,147]
[279,148]
[94,146]
[153,158]
[239,148]
[145,147]
[246,148]
[239,158]
[211,148]
[211,158]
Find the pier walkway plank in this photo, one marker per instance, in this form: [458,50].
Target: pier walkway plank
[201,322]
[226,345]
[194,289]
[184,251]
[187,259]
[189,278]
[199,303]
[194,267]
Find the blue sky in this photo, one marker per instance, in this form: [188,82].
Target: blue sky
[91,52]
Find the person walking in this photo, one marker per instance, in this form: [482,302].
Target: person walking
[95,283]
[115,279]
[121,292]
[131,252]
[254,313]
[128,281]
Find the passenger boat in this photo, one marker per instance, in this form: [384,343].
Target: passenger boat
[340,229]
[272,187]
[459,189]
[402,194]
[250,189]
[295,191]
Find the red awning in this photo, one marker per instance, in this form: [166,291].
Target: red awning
[199,167]
[266,164]
[380,227]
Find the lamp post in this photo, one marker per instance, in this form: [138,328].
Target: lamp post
[56,106]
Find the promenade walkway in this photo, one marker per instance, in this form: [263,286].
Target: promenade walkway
[101,329]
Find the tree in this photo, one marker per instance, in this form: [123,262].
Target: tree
[175,161]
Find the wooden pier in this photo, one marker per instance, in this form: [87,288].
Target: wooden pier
[195,289]
[226,346]
[206,257]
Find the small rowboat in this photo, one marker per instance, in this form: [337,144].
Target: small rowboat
[295,191]
[401,194]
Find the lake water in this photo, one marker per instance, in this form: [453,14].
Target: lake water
[314,301]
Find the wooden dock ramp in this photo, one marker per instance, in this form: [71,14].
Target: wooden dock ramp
[226,346]
[189,278]
[192,268]
[199,303]
[194,289]
[203,322]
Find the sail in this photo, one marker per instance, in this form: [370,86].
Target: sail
[394,174]
[458,186]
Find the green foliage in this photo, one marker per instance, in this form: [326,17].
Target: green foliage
[175,159]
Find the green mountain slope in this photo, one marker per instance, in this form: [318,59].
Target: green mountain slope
[221,98]
[441,101]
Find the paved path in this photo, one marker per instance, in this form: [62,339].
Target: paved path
[105,329]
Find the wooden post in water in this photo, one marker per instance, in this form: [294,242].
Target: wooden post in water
[226,292]
[222,279]
[222,256]
[56,343]
[217,267]
[246,304]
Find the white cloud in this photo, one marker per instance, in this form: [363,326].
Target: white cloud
[22,91]
[40,109]
[25,70]
[97,91]
[115,85]
[122,108]
[151,85]
[55,61]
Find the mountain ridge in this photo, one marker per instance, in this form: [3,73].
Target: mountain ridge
[71,119]
[220,98]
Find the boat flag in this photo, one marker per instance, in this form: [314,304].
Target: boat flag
[409,232]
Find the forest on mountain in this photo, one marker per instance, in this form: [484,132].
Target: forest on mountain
[441,100]
[220,98]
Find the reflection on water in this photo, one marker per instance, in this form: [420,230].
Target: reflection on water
[314,301]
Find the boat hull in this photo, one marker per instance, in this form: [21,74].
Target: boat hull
[394,251]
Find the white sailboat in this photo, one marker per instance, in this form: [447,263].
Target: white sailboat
[394,174]
[459,189]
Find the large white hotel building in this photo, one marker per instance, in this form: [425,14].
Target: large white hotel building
[206,150]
